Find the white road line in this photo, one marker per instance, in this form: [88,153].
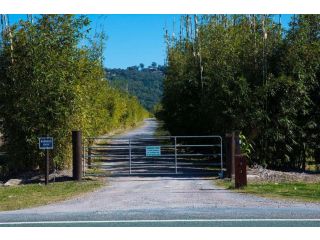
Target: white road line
[164,221]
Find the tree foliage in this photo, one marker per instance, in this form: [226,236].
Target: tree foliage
[52,83]
[145,83]
[247,73]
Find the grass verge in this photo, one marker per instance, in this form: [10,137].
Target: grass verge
[31,195]
[297,191]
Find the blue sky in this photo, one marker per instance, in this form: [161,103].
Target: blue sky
[134,39]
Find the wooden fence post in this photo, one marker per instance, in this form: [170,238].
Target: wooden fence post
[76,155]
[228,155]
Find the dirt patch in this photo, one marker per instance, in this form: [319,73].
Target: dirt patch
[38,177]
[260,174]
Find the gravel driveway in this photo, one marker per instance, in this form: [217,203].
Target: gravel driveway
[174,197]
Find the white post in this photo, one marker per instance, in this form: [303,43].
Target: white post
[129,156]
[175,154]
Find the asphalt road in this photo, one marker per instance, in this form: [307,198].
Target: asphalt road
[169,200]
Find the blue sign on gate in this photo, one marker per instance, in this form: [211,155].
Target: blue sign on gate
[45,143]
[153,151]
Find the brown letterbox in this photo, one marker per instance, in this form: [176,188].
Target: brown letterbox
[240,171]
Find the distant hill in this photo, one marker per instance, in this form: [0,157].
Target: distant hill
[145,83]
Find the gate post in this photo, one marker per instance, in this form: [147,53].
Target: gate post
[235,150]
[76,155]
[89,155]
[229,155]
[232,148]
[129,156]
[175,154]
[237,145]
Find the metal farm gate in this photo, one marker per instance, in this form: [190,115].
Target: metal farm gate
[142,155]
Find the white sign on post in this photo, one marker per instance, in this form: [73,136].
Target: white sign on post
[45,143]
[153,151]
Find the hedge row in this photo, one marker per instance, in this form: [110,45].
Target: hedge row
[51,82]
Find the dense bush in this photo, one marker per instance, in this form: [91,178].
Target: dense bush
[52,83]
[240,72]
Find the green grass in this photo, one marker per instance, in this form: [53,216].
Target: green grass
[31,195]
[298,191]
